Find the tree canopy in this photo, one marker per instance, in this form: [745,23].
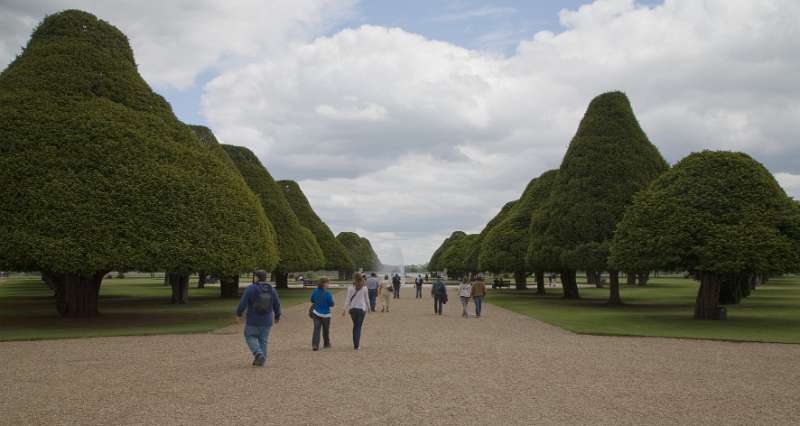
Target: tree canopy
[718,215]
[608,160]
[336,256]
[453,254]
[297,246]
[475,250]
[360,250]
[102,174]
[506,244]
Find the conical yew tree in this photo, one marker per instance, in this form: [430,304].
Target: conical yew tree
[453,254]
[99,175]
[475,250]
[298,249]
[505,247]
[360,250]
[608,160]
[229,281]
[336,257]
[722,217]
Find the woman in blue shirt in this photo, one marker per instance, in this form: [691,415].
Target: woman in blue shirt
[321,303]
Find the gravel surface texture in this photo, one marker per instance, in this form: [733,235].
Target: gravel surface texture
[413,368]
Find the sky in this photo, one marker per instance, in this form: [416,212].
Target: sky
[405,121]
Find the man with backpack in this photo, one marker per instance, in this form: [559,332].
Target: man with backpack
[261,302]
[418,286]
[439,293]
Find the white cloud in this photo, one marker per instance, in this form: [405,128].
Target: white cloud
[460,131]
[480,12]
[790,183]
[175,41]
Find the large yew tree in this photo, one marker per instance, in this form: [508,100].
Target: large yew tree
[506,245]
[361,251]
[608,160]
[475,250]
[97,174]
[722,217]
[336,256]
[297,246]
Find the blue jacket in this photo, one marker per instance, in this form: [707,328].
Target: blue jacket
[254,318]
[322,300]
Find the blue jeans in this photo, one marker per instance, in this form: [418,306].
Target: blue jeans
[358,321]
[437,304]
[323,325]
[256,339]
[478,300]
[373,298]
[396,290]
[419,292]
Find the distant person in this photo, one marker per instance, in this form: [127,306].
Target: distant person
[478,292]
[321,304]
[439,293]
[372,289]
[426,277]
[396,282]
[262,304]
[357,305]
[418,286]
[385,291]
[464,292]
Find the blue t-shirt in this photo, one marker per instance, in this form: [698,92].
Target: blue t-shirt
[249,299]
[322,300]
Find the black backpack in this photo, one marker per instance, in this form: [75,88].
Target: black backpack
[263,303]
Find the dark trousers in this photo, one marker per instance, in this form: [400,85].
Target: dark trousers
[396,290]
[373,298]
[437,304]
[324,325]
[419,292]
[478,300]
[358,321]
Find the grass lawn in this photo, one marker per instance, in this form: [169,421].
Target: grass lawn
[130,306]
[664,308]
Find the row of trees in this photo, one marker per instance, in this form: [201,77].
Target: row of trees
[100,175]
[615,205]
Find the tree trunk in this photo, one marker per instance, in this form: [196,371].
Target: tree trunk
[569,284]
[76,295]
[540,282]
[613,283]
[281,279]
[707,304]
[201,279]
[643,277]
[520,280]
[180,288]
[630,278]
[590,277]
[598,279]
[47,279]
[229,286]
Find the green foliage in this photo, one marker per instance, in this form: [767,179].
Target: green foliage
[475,250]
[505,246]
[453,253]
[360,250]
[297,246]
[98,174]
[608,160]
[336,257]
[715,212]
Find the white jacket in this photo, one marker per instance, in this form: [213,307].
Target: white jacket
[464,290]
[359,301]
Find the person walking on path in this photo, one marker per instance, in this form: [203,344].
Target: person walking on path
[418,286]
[357,305]
[385,293]
[263,308]
[478,292]
[439,293]
[372,289]
[464,291]
[321,304]
[396,282]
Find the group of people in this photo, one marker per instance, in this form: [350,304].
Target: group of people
[263,307]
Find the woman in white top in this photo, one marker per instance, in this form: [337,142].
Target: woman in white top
[465,291]
[385,292]
[357,304]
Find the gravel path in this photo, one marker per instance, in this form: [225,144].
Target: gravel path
[413,368]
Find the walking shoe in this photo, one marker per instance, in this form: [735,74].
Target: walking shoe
[314,348]
[260,360]
[328,346]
